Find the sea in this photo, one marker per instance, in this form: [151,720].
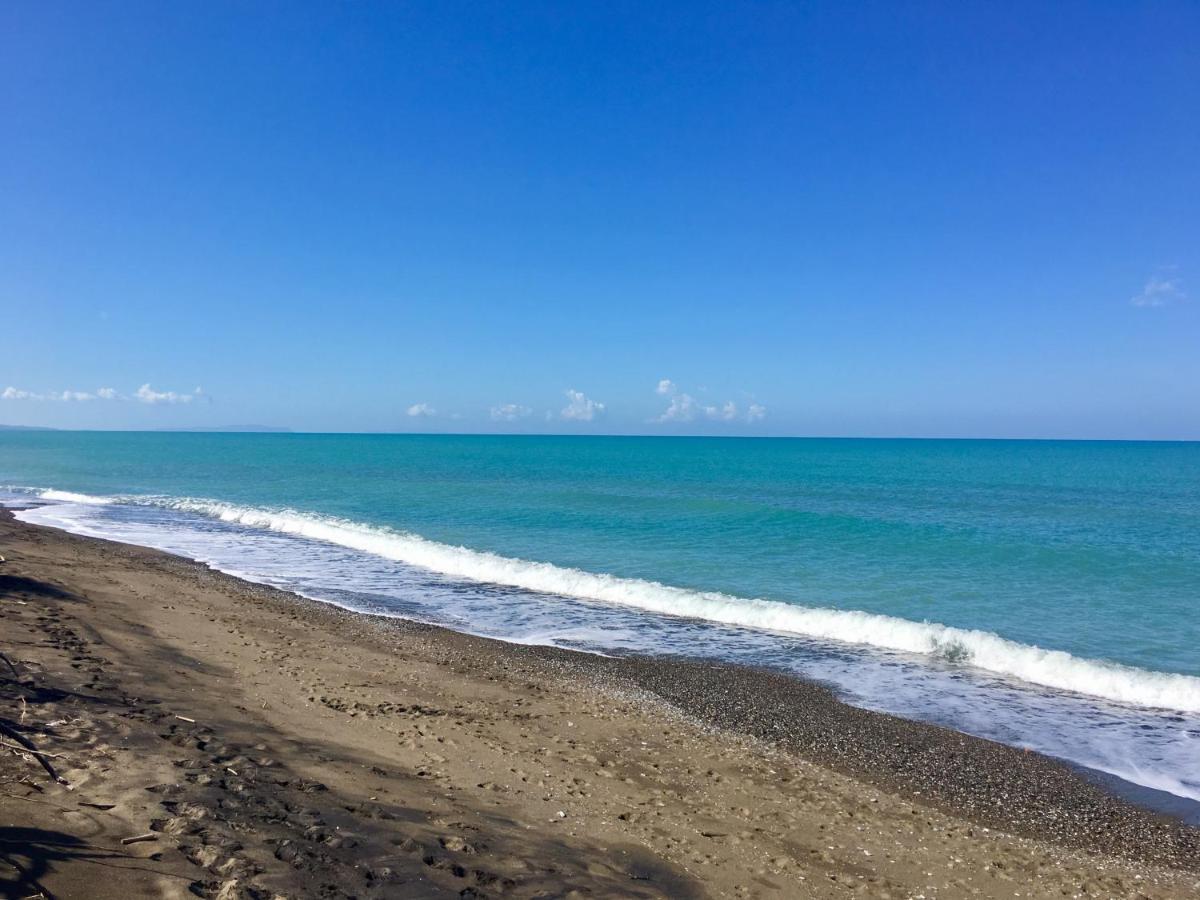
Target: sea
[1044,594]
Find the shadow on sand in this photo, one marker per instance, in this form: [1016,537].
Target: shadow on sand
[27,854]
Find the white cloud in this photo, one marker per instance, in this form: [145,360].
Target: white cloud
[1160,291]
[580,408]
[684,407]
[12,393]
[146,394]
[726,412]
[681,409]
[421,410]
[510,412]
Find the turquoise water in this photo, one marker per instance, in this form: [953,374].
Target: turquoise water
[841,559]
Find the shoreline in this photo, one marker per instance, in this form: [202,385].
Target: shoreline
[816,766]
[1141,795]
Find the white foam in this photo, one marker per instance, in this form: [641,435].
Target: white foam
[985,650]
[72,497]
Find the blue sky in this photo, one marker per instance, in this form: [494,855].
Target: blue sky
[954,219]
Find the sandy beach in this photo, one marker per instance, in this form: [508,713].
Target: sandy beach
[215,738]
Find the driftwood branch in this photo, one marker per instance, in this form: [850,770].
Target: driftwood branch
[24,745]
[8,662]
[30,751]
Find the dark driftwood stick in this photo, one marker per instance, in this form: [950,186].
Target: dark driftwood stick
[30,748]
[8,662]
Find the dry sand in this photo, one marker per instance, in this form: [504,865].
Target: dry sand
[270,746]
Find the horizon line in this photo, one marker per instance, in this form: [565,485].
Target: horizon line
[285,432]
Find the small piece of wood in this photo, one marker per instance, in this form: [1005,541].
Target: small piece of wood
[138,838]
[186,719]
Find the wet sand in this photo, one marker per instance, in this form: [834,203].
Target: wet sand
[263,745]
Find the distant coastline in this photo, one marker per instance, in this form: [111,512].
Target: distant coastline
[216,429]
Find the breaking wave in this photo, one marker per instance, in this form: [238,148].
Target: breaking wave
[981,649]
[71,497]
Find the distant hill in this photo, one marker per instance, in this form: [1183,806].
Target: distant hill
[252,429]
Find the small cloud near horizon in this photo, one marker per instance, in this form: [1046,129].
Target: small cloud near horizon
[1160,290]
[510,412]
[12,393]
[580,407]
[146,394]
[421,411]
[685,408]
[681,409]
